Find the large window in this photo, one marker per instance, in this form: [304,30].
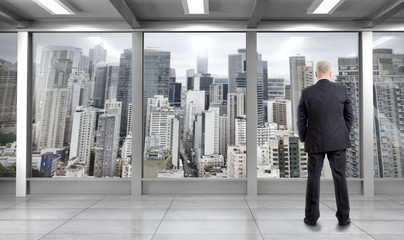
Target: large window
[194,105]
[286,65]
[81,104]
[388,90]
[8,103]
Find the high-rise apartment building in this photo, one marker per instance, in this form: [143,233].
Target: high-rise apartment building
[8,94]
[348,75]
[235,108]
[211,131]
[105,163]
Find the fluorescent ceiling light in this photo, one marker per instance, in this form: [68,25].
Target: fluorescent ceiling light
[196,6]
[324,6]
[55,7]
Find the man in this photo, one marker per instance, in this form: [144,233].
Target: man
[324,119]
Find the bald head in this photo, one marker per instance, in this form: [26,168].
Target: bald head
[323,70]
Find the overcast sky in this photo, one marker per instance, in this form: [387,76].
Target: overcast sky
[276,48]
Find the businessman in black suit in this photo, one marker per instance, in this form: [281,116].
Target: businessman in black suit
[324,120]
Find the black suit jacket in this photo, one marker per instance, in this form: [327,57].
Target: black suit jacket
[324,117]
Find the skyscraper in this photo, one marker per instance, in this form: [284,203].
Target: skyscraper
[276,88]
[124,93]
[301,76]
[8,94]
[104,163]
[236,65]
[235,108]
[348,75]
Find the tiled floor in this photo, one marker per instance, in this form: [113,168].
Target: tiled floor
[180,217]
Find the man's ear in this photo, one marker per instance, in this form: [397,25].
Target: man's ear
[330,74]
[316,75]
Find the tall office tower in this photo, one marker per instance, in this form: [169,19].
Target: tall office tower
[218,93]
[100,80]
[236,65]
[223,135]
[211,131]
[202,61]
[348,75]
[194,104]
[8,94]
[235,108]
[96,55]
[111,86]
[156,74]
[276,88]
[52,126]
[129,127]
[160,125]
[241,130]
[158,101]
[236,161]
[388,85]
[175,94]
[124,93]
[105,163]
[280,112]
[299,79]
[287,92]
[262,76]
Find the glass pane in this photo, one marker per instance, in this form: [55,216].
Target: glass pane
[81,104]
[194,105]
[388,90]
[286,64]
[8,103]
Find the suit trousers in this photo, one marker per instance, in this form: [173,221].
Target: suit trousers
[337,161]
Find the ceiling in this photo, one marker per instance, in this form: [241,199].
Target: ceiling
[142,14]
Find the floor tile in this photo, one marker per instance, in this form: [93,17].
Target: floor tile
[208,214]
[318,237]
[263,197]
[325,227]
[122,213]
[128,197]
[377,204]
[69,236]
[381,227]
[286,214]
[60,204]
[209,204]
[388,237]
[101,226]
[377,214]
[133,204]
[198,227]
[28,236]
[39,213]
[207,237]
[28,226]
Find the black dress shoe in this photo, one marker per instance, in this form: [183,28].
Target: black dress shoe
[346,222]
[309,223]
